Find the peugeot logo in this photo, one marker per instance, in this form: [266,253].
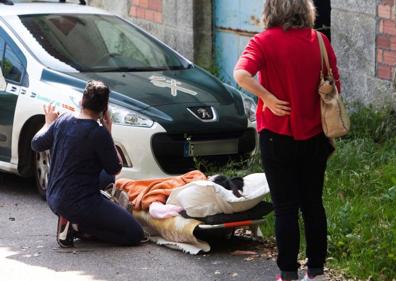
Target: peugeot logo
[174,85]
[203,113]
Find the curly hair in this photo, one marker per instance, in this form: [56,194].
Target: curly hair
[289,13]
[95,96]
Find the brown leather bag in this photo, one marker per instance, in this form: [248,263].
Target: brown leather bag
[335,119]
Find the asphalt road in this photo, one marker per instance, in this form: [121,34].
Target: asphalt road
[29,252]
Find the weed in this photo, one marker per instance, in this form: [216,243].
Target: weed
[359,196]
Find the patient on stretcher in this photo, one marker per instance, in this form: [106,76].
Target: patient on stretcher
[173,208]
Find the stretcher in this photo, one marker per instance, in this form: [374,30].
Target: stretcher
[209,210]
[234,224]
[193,235]
[225,225]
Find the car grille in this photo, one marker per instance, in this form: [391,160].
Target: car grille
[170,150]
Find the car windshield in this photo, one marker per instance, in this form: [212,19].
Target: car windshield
[99,43]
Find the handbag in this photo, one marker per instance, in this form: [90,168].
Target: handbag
[335,119]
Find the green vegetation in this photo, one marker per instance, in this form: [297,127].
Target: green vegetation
[360,197]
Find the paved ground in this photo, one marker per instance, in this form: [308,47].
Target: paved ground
[28,250]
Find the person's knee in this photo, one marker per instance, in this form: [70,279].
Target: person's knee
[312,208]
[134,235]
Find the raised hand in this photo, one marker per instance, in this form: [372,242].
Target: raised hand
[51,114]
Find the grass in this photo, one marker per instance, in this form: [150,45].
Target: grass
[359,196]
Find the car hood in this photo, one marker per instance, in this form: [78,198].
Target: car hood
[167,96]
[164,87]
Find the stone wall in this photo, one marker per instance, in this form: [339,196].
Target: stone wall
[363,36]
[362,33]
[184,25]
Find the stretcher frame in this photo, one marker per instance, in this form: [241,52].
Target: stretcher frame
[231,224]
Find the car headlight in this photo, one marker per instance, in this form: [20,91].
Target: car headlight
[250,107]
[127,117]
[249,103]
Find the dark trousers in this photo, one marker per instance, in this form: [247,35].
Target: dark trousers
[295,173]
[106,221]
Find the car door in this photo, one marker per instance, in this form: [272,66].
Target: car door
[13,66]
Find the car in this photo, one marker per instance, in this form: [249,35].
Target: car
[168,113]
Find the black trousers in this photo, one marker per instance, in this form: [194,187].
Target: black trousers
[105,220]
[295,173]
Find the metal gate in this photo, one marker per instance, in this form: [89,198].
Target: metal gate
[235,22]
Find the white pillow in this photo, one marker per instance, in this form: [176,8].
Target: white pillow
[204,198]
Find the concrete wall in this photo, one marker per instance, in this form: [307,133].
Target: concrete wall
[184,25]
[363,36]
[355,29]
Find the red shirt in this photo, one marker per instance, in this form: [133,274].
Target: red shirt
[288,65]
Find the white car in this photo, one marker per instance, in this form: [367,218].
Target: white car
[167,112]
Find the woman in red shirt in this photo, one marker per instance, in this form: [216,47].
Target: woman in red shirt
[294,150]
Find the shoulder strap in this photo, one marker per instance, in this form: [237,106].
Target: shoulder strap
[324,56]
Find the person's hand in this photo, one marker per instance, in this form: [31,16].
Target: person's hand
[106,121]
[51,114]
[277,106]
[249,83]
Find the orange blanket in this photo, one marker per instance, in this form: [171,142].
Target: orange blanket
[144,192]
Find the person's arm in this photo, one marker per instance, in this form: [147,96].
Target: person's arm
[251,61]
[250,84]
[106,150]
[43,139]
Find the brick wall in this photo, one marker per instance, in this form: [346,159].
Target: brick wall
[386,40]
[150,10]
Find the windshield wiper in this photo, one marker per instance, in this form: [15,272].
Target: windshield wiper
[124,69]
[180,67]
[134,69]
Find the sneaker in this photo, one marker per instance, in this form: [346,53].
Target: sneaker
[316,278]
[279,278]
[64,233]
[85,236]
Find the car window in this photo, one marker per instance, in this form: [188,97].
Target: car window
[93,43]
[12,66]
[130,45]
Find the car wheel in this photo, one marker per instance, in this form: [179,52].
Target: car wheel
[41,171]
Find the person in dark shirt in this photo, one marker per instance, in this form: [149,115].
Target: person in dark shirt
[80,151]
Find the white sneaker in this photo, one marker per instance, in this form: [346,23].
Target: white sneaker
[316,278]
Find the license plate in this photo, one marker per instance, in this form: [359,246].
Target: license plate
[215,147]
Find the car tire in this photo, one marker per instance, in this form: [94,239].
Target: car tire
[41,171]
